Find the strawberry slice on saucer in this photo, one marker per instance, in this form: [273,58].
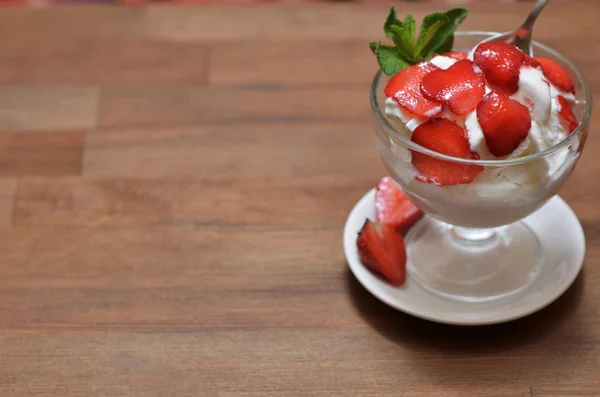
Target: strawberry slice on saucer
[557,75]
[461,87]
[381,249]
[566,113]
[404,88]
[393,207]
[501,64]
[443,136]
[505,122]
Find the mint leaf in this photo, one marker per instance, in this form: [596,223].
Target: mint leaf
[439,43]
[391,20]
[404,42]
[447,46]
[457,15]
[432,23]
[389,59]
[435,36]
[410,24]
[401,34]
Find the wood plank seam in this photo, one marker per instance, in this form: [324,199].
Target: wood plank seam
[13,204]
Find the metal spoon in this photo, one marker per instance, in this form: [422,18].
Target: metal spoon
[522,36]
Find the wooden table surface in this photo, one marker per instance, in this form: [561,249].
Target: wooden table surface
[174,186]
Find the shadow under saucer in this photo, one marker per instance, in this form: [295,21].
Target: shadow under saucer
[414,332]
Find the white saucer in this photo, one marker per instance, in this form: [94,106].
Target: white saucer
[563,247]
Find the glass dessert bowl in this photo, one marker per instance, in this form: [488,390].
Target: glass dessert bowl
[472,245]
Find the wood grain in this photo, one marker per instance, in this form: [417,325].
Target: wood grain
[276,148]
[302,63]
[174,183]
[8,188]
[82,60]
[303,201]
[21,25]
[348,21]
[160,359]
[47,107]
[126,107]
[56,153]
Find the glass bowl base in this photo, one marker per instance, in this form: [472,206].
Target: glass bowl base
[472,265]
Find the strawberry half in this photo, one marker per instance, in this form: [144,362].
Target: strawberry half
[404,88]
[458,55]
[500,62]
[505,122]
[443,136]
[381,249]
[531,62]
[556,75]
[566,113]
[460,87]
[393,207]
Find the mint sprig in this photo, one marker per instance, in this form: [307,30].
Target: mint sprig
[435,36]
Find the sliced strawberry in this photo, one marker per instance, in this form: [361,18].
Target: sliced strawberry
[404,88]
[443,136]
[393,207]
[381,249]
[458,55]
[566,113]
[460,87]
[556,75]
[531,61]
[500,62]
[505,122]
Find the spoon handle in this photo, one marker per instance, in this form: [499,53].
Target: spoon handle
[523,34]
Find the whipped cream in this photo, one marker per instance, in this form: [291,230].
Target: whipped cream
[538,95]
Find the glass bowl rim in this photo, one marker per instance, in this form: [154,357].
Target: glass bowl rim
[407,143]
